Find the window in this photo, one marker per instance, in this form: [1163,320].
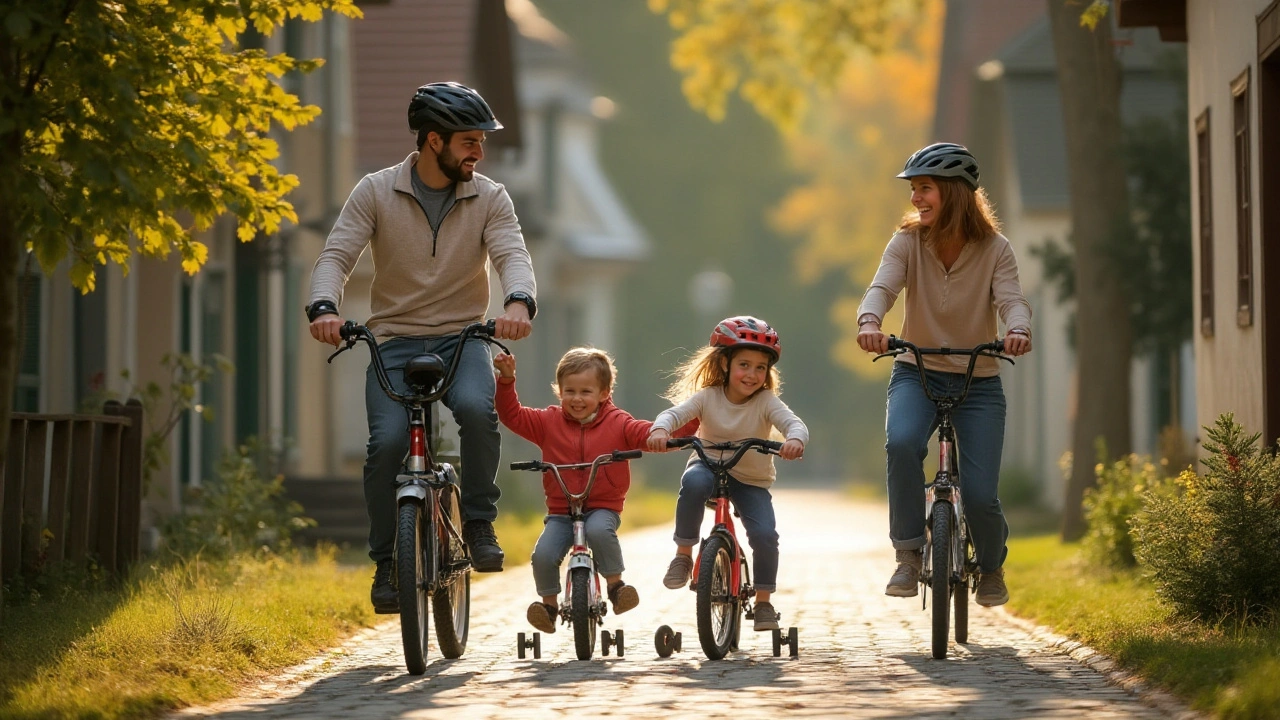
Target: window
[1244,204]
[1204,191]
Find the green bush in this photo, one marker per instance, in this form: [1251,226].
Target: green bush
[1213,551]
[241,510]
[1109,505]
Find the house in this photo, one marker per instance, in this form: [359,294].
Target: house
[1233,108]
[998,95]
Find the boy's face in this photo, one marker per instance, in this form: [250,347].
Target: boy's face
[581,394]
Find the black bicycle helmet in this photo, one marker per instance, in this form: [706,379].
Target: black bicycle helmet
[943,160]
[451,106]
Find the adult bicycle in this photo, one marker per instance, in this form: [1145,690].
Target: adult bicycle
[431,559]
[583,606]
[950,567]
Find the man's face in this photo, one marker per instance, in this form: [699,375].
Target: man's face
[458,159]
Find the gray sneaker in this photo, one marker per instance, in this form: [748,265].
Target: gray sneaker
[766,617]
[906,579]
[991,589]
[678,572]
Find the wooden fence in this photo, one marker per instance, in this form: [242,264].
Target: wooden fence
[78,477]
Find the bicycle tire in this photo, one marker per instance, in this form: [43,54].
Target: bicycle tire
[963,591]
[410,571]
[940,576]
[718,610]
[451,604]
[584,624]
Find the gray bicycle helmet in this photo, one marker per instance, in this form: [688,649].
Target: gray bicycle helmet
[943,160]
[451,106]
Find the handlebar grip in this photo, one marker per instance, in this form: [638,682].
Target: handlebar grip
[772,445]
[999,347]
[680,441]
[490,328]
[347,329]
[627,454]
[527,465]
[897,343]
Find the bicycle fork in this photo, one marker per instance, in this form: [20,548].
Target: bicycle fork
[580,557]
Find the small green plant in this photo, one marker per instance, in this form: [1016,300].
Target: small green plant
[1110,505]
[1213,551]
[241,510]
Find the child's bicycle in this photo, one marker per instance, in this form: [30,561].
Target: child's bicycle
[583,606]
[950,568]
[721,576]
[430,555]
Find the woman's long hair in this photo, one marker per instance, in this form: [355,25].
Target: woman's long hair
[705,369]
[965,216]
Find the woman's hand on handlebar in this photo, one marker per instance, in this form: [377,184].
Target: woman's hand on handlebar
[326,329]
[872,339]
[505,365]
[513,324]
[1016,344]
[657,441]
[792,449]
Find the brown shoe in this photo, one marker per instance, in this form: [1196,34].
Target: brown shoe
[623,596]
[678,572]
[542,616]
[991,589]
[906,579]
[766,617]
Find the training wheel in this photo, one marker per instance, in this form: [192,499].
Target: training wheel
[790,638]
[666,641]
[535,644]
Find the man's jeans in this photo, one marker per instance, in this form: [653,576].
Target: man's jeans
[557,537]
[471,400]
[754,505]
[979,426]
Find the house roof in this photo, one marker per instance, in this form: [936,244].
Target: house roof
[402,44]
[1033,109]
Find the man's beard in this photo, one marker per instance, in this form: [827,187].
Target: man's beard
[452,167]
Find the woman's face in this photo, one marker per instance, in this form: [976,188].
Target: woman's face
[926,198]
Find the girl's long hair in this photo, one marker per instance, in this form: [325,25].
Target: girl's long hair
[704,369]
[965,216]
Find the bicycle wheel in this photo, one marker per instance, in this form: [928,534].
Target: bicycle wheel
[411,574]
[451,603]
[718,615]
[940,576]
[584,623]
[962,592]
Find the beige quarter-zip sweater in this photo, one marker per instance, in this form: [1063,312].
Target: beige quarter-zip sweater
[955,308]
[722,421]
[424,284]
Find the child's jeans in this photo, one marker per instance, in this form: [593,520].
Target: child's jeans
[557,538]
[754,505]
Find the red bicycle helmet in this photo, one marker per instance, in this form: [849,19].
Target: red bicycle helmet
[749,332]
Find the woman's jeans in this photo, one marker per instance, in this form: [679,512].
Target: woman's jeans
[471,400]
[557,537]
[910,421]
[754,505]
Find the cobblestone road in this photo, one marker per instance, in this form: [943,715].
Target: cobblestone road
[862,654]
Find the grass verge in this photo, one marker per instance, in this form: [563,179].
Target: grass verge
[1230,670]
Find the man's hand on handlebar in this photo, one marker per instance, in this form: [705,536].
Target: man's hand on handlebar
[514,323]
[326,329]
[791,450]
[657,441]
[872,339]
[1016,344]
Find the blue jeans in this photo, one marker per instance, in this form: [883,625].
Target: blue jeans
[754,505]
[910,421]
[471,400]
[557,537]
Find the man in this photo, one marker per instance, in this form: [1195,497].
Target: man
[433,225]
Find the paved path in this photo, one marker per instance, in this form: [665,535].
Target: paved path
[862,654]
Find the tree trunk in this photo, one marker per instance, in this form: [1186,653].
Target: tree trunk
[1089,84]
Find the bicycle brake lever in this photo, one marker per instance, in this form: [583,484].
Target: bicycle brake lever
[891,353]
[339,351]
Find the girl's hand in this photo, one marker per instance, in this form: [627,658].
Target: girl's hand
[791,450]
[1016,344]
[506,365]
[871,339]
[657,441]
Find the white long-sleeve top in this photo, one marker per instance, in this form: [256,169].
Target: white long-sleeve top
[722,421]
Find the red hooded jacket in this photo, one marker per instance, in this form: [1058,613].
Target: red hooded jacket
[564,441]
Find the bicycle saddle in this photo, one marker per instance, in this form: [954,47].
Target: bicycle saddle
[422,372]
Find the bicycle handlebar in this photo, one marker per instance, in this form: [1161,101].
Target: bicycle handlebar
[605,459]
[353,333]
[898,346]
[737,447]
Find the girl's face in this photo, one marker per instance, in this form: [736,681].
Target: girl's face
[926,198]
[581,394]
[748,370]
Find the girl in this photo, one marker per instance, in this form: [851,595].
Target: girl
[959,273]
[731,386]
